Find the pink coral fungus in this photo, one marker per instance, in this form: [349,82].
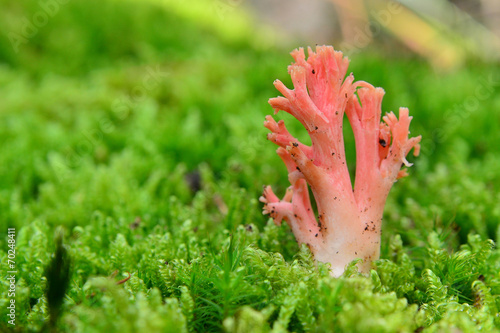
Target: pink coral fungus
[349,220]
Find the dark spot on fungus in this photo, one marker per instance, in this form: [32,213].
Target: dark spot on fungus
[313,71]
[295,144]
[382,142]
[316,235]
[309,246]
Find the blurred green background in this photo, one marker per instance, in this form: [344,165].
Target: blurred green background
[132,117]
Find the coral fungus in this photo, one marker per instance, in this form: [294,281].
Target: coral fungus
[349,219]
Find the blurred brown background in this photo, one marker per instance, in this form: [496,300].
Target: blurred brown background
[447,33]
